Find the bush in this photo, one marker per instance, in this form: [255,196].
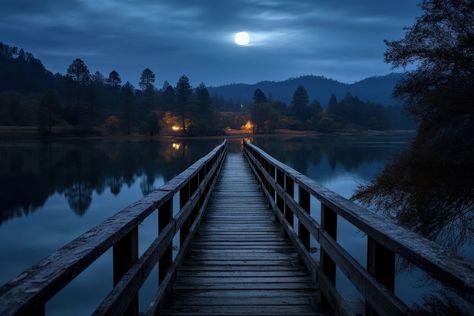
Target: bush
[112,124]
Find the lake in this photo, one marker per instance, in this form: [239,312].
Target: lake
[54,191]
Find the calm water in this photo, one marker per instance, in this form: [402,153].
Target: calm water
[53,192]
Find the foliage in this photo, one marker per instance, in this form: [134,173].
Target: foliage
[204,116]
[147,80]
[114,79]
[259,97]
[48,113]
[429,188]
[151,125]
[300,104]
[86,99]
[112,124]
[183,99]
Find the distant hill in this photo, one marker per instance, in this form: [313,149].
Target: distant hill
[376,89]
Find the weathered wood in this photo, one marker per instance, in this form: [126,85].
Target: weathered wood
[27,293]
[380,264]
[429,256]
[338,304]
[234,254]
[125,254]
[304,202]
[165,286]
[119,298]
[329,225]
[165,214]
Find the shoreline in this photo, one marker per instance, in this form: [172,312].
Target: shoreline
[8,134]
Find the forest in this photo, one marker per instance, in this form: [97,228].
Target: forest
[83,102]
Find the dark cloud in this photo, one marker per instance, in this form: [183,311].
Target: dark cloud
[338,39]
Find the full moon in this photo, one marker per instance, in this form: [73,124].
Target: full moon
[242,38]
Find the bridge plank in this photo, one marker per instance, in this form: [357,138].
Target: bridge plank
[239,262]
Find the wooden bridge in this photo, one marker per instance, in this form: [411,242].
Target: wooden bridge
[244,226]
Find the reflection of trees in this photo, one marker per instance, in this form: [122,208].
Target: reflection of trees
[348,152]
[441,304]
[29,174]
[79,197]
[424,190]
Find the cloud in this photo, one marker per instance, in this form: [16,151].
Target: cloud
[288,38]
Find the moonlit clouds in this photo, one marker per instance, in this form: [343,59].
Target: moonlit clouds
[343,40]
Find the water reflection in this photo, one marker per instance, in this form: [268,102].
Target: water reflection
[31,173]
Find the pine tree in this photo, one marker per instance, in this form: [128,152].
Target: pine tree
[147,80]
[299,104]
[114,79]
[183,99]
[259,97]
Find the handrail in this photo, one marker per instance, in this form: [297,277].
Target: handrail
[28,293]
[385,239]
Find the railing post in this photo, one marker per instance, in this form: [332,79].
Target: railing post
[290,189]
[380,264]
[304,202]
[165,214]
[183,198]
[280,178]
[329,225]
[125,254]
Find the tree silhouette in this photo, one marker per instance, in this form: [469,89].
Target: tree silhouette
[48,112]
[202,112]
[114,79]
[183,99]
[429,188]
[147,80]
[128,93]
[78,72]
[299,104]
[259,97]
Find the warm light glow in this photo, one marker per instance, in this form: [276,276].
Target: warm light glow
[175,128]
[176,146]
[248,126]
[242,38]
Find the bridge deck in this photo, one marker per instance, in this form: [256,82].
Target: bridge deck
[239,262]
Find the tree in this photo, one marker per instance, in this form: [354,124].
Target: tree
[147,80]
[202,112]
[15,111]
[112,124]
[128,93]
[78,76]
[151,125]
[333,105]
[49,108]
[114,79]
[183,98]
[299,104]
[259,111]
[78,72]
[316,113]
[98,78]
[168,97]
[259,97]
[429,188]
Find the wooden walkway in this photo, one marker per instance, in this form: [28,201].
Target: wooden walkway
[240,263]
[241,250]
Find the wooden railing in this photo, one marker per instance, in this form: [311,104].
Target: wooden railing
[385,239]
[28,293]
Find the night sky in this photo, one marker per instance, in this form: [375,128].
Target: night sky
[342,40]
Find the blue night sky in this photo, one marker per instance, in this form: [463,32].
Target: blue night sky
[342,40]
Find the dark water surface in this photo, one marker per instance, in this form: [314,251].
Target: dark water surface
[53,192]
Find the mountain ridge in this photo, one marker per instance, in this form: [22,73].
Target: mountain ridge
[377,89]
